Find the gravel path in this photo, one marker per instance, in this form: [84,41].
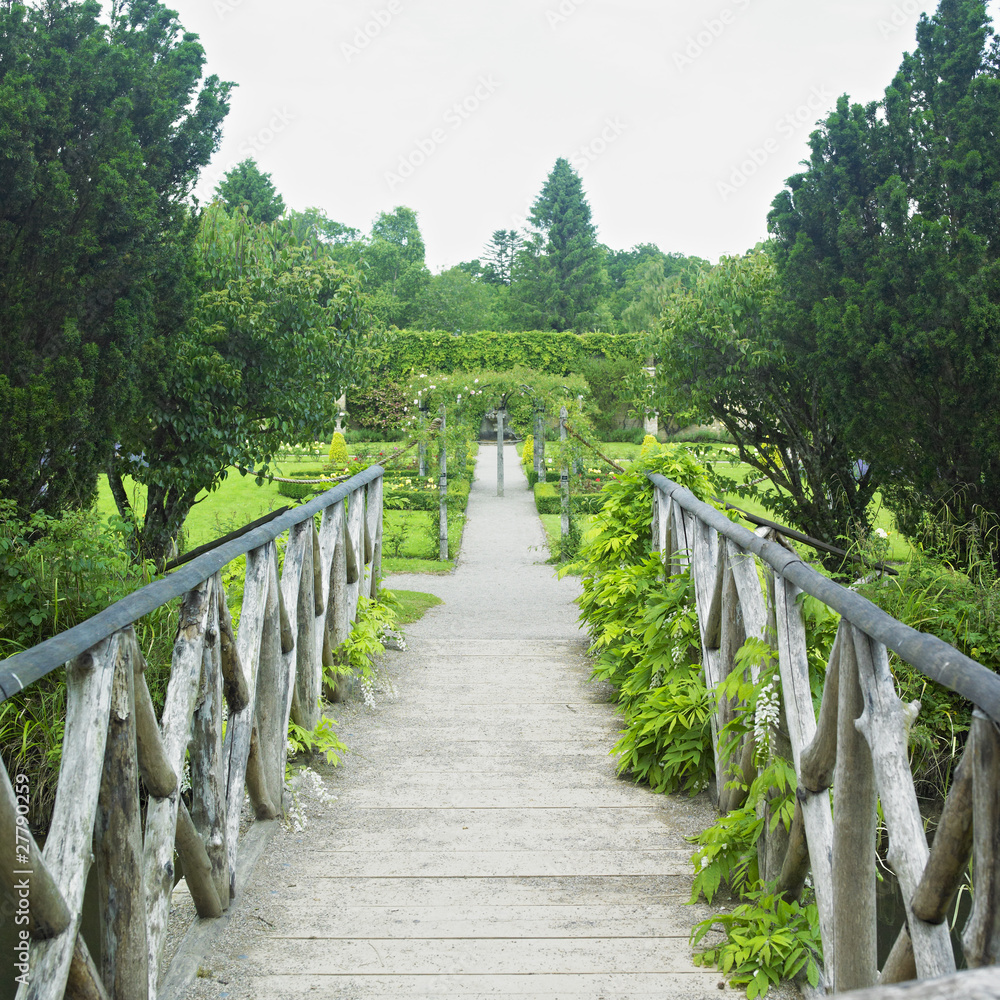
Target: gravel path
[481,844]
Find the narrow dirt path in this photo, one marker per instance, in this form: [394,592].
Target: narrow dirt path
[481,845]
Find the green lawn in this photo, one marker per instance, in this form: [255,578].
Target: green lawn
[411,605]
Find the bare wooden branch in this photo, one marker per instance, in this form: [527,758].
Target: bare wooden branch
[154,768]
[885,724]
[285,623]
[234,677]
[351,547]
[375,514]
[273,695]
[118,844]
[84,981]
[48,914]
[260,796]
[795,867]
[951,849]
[794,666]
[736,790]
[67,852]
[196,865]
[978,984]
[855,963]
[820,757]
[208,785]
[319,590]
[355,529]
[981,937]
[236,749]
[900,966]
[175,726]
[713,623]
[298,597]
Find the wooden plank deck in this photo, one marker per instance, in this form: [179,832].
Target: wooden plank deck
[481,845]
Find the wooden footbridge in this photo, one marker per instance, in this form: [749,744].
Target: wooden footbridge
[480,845]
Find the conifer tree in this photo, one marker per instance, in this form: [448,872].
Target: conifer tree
[560,274]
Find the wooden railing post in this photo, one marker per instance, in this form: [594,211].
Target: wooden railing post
[118,845]
[443,492]
[854,958]
[500,415]
[563,480]
[981,938]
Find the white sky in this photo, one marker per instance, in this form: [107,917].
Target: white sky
[662,106]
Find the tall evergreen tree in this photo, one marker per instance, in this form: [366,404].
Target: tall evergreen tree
[246,185]
[499,255]
[396,272]
[888,248]
[106,123]
[560,274]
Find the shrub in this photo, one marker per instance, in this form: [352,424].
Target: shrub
[528,452]
[649,446]
[296,491]
[338,457]
[547,500]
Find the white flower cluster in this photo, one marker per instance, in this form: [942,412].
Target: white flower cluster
[309,788]
[766,717]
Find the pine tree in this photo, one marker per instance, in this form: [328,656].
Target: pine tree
[246,185]
[560,273]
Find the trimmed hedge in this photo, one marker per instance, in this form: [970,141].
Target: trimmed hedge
[414,351]
[547,500]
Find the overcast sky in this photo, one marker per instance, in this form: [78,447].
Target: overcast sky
[683,119]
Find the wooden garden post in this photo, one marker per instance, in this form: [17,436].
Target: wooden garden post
[563,478]
[540,443]
[422,449]
[500,416]
[443,491]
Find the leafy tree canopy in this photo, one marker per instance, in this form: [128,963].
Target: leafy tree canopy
[277,335]
[396,272]
[105,123]
[719,358]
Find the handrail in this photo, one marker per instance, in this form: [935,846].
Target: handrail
[932,656]
[225,718]
[24,668]
[856,745]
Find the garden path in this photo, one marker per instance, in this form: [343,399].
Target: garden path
[481,845]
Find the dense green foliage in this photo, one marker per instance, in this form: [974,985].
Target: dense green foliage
[721,358]
[277,333]
[408,352]
[105,122]
[888,255]
[645,632]
[247,188]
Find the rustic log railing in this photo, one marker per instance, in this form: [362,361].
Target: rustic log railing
[226,714]
[857,747]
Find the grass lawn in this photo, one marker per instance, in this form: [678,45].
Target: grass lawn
[411,605]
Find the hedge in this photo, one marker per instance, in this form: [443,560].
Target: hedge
[408,352]
[547,500]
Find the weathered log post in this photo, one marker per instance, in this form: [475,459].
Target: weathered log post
[563,481]
[443,491]
[855,963]
[500,416]
[422,447]
[118,845]
[539,449]
[981,937]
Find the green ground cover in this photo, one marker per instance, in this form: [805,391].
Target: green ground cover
[412,605]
